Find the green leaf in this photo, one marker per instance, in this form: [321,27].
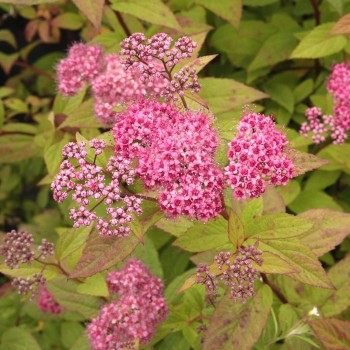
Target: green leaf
[204,236]
[338,157]
[235,229]
[95,285]
[281,94]
[155,12]
[338,5]
[333,334]
[7,36]
[17,338]
[176,227]
[226,94]
[304,162]
[300,257]
[231,10]
[64,291]
[303,90]
[82,117]
[92,9]
[319,43]
[68,20]
[53,157]
[27,2]
[236,325]
[148,254]
[25,271]
[198,63]
[290,191]
[274,264]
[252,210]
[82,343]
[313,199]
[101,253]
[329,229]
[275,49]
[7,61]
[70,241]
[277,226]
[151,215]
[320,180]
[258,2]
[70,331]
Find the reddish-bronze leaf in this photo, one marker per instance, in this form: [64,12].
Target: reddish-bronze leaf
[101,253]
[333,334]
[329,229]
[238,326]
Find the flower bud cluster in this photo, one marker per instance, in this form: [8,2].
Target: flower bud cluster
[143,55]
[134,316]
[30,284]
[47,302]
[236,272]
[321,126]
[185,79]
[18,248]
[334,126]
[175,153]
[90,186]
[258,154]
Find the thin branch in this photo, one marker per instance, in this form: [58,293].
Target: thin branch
[33,69]
[317,15]
[275,289]
[123,24]
[317,12]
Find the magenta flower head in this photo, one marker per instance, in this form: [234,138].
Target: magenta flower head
[258,154]
[339,86]
[175,153]
[135,315]
[115,86]
[83,64]
[47,302]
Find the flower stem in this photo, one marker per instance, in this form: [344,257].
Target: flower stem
[275,289]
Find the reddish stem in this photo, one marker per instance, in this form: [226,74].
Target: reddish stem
[33,69]
[123,24]
[275,289]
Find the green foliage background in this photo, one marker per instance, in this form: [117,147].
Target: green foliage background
[274,54]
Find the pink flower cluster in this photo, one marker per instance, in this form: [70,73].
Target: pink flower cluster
[321,126]
[111,84]
[175,153]
[89,183]
[82,65]
[258,154]
[156,58]
[115,85]
[135,315]
[47,302]
[236,271]
[336,126]
[339,86]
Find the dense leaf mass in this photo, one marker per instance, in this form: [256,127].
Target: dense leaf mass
[174,174]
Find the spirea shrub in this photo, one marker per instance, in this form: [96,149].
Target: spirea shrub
[177,215]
